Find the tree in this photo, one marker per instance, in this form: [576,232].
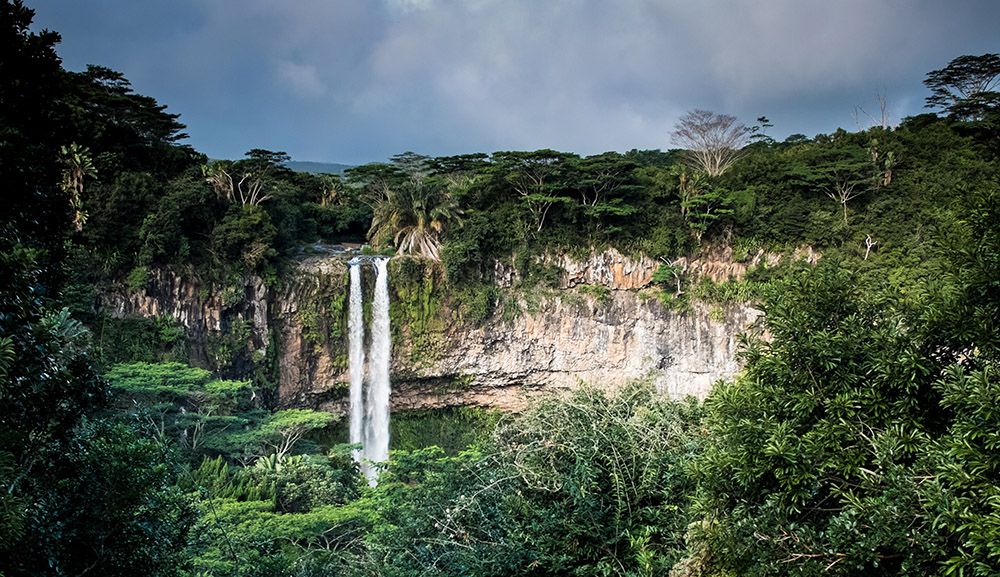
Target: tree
[281,431]
[536,178]
[412,164]
[246,235]
[124,130]
[604,182]
[602,177]
[843,190]
[31,113]
[712,142]
[814,463]
[253,173]
[966,87]
[180,403]
[701,202]
[963,492]
[841,170]
[589,484]
[413,215]
[77,165]
[79,493]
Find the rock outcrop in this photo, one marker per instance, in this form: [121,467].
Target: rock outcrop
[609,268]
[206,311]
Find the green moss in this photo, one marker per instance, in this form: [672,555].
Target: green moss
[510,306]
[308,318]
[137,279]
[456,385]
[322,313]
[416,313]
[475,302]
[338,314]
[601,294]
[453,429]
[339,361]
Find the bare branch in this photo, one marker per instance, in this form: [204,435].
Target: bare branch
[712,142]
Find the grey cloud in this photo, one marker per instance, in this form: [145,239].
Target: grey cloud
[357,81]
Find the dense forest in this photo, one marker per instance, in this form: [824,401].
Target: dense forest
[862,437]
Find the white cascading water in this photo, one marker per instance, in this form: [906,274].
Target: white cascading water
[369,425]
[356,356]
[376,447]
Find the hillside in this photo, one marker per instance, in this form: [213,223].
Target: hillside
[317,167]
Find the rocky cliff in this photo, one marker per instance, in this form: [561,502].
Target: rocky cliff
[597,324]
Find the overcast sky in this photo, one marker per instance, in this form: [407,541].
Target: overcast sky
[360,80]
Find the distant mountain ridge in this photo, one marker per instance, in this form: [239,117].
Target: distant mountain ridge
[317,167]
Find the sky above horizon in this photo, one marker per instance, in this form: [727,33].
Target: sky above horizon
[356,81]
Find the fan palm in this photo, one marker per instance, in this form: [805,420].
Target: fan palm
[412,216]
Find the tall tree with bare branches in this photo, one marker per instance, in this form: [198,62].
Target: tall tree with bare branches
[712,142]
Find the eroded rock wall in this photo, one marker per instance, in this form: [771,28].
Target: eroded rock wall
[569,338]
[208,312]
[598,326]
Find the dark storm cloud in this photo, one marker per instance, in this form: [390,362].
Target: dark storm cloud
[356,81]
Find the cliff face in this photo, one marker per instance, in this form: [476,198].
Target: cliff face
[567,339]
[598,326]
[226,327]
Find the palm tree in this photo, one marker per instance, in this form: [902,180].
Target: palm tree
[77,165]
[412,216]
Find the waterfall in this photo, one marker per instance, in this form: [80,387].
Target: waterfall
[377,432]
[369,397]
[356,357]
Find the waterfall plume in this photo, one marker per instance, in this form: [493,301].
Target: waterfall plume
[356,358]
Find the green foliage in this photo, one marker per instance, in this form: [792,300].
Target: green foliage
[150,340]
[602,482]
[299,515]
[963,494]
[589,485]
[747,290]
[309,483]
[172,379]
[814,457]
[183,405]
[667,274]
[860,439]
[244,235]
[234,538]
[226,348]
[137,279]
[965,88]
[438,515]
[453,429]
[215,479]
[278,433]
[412,216]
